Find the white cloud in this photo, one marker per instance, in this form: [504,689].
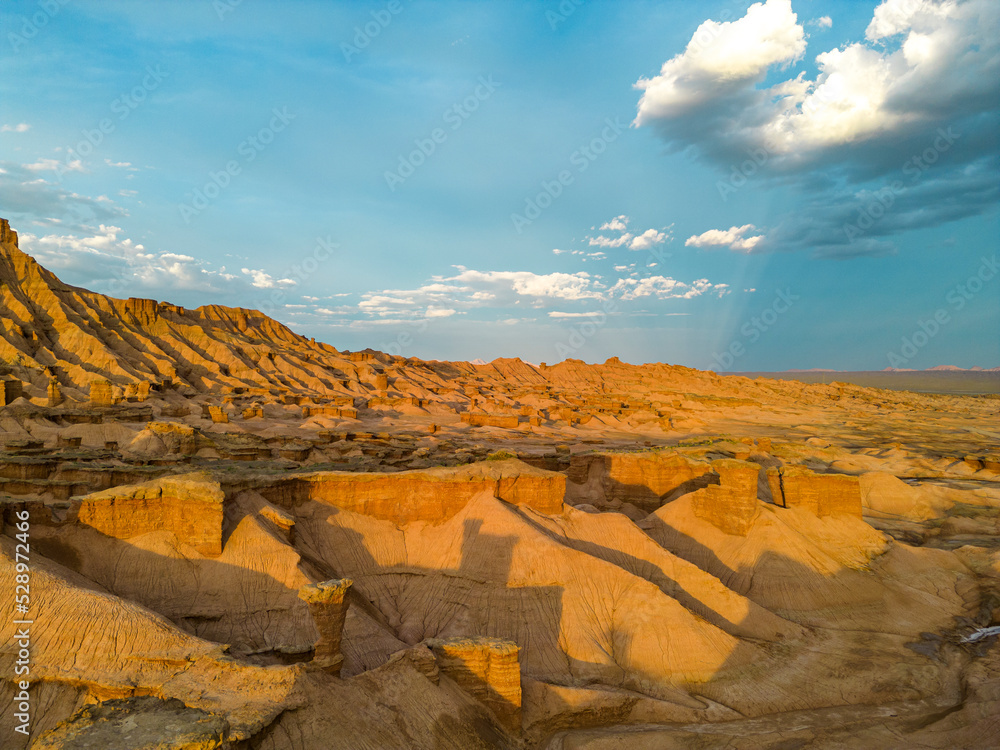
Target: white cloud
[734,238]
[642,241]
[116,264]
[21,127]
[944,68]
[823,22]
[591,314]
[516,291]
[664,287]
[263,280]
[567,286]
[439,312]
[722,58]
[617,224]
[647,239]
[602,241]
[52,165]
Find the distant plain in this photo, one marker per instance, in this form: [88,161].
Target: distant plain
[965,382]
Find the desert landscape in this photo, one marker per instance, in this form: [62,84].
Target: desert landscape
[521,375]
[240,537]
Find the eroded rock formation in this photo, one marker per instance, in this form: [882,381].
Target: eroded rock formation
[328,605]
[610,572]
[488,670]
[821,494]
[188,506]
[732,505]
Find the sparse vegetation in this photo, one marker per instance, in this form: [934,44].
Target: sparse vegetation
[500,455]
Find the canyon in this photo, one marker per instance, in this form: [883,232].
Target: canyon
[244,538]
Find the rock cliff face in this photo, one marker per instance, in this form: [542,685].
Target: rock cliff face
[488,670]
[432,495]
[731,506]
[643,479]
[820,494]
[508,421]
[10,390]
[188,506]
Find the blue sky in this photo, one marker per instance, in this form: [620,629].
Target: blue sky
[790,184]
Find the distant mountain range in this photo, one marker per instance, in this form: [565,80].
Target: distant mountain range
[945,368]
[939,368]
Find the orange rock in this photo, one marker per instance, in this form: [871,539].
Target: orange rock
[732,505]
[218,415]
[490,420]
[821,494]
[101,393]
[190,506]
[432,495]
[643,479]
[328,606]
[487,669]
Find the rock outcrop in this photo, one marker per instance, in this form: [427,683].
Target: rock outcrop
[10,390]
[732,505]
[507,421]
[133,723]
[643,479]
[189,506]
[328,605]
[487,669]
[820,494]
[101,393]
[432,495]
[54,393]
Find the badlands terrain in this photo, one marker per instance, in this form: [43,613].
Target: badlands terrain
[243,538]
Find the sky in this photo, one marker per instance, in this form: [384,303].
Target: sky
[722,185]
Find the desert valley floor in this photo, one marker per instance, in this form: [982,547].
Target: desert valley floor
[243,538]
